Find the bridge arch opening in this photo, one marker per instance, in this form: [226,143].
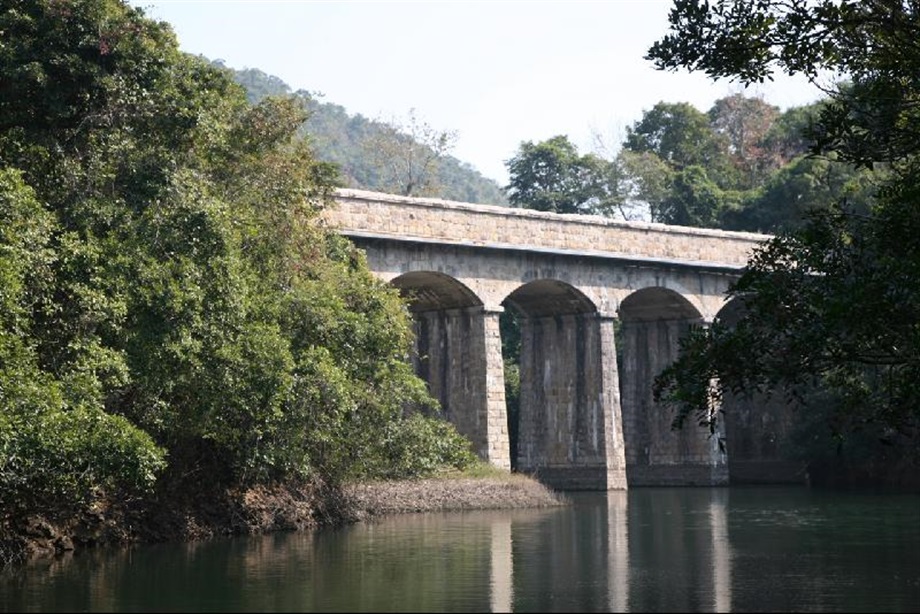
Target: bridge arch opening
[652,322]
[657,304]
[457,354]
[559,416]
[433,291]
[523,308]
[758,427]
[548,297]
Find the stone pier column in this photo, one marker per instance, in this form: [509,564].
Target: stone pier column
[497,449]
[460,357]
[570,434]
[613,414]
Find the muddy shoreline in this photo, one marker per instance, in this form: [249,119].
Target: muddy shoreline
[257,510]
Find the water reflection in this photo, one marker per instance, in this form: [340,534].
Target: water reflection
[618,551]
[721,565]
[689,549]
[502,568]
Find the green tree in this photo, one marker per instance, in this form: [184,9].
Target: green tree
[54,451]
[553,176]
[681,136]
[805,186]
[680,164]
[646,181]
[835,302]
[695,200]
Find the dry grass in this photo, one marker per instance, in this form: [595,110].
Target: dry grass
[482,488]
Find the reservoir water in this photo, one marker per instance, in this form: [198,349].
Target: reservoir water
[756,549]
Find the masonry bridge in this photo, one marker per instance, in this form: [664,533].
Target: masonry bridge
[601,305]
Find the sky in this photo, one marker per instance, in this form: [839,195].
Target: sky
[495,72]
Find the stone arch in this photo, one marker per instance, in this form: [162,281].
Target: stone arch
[653,320]
[458,354]
[658,304]
[660,287]
[433,291]
[549,297]
[569,420]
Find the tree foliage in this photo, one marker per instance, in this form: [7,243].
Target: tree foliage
[680,135]
[743,165]
[552,176]
[693,199]
[167,296]
[873,44]
[834,303]
[805,186]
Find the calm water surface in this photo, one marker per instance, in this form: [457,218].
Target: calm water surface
[645,550]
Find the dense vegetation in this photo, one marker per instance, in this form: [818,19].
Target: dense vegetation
[363,149]
[741,165]
[834,305]
[171,317]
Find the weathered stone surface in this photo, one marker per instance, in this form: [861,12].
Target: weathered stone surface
[467,224]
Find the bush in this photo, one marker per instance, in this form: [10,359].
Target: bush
[59,459]
[420,446]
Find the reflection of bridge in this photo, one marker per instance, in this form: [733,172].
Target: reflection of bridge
[585,421]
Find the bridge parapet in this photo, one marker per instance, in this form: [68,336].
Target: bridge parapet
[364,213]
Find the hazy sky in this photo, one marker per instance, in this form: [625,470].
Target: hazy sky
[498,72]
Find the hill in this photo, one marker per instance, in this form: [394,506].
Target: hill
[342,138]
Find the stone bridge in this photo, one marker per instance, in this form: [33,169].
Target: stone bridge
[601,305]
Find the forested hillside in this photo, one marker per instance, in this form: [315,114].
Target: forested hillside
[355,143]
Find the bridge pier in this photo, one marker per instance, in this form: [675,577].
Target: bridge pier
[569,434]
[460,356]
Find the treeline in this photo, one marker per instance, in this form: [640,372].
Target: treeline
[741,165]
[172,318]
